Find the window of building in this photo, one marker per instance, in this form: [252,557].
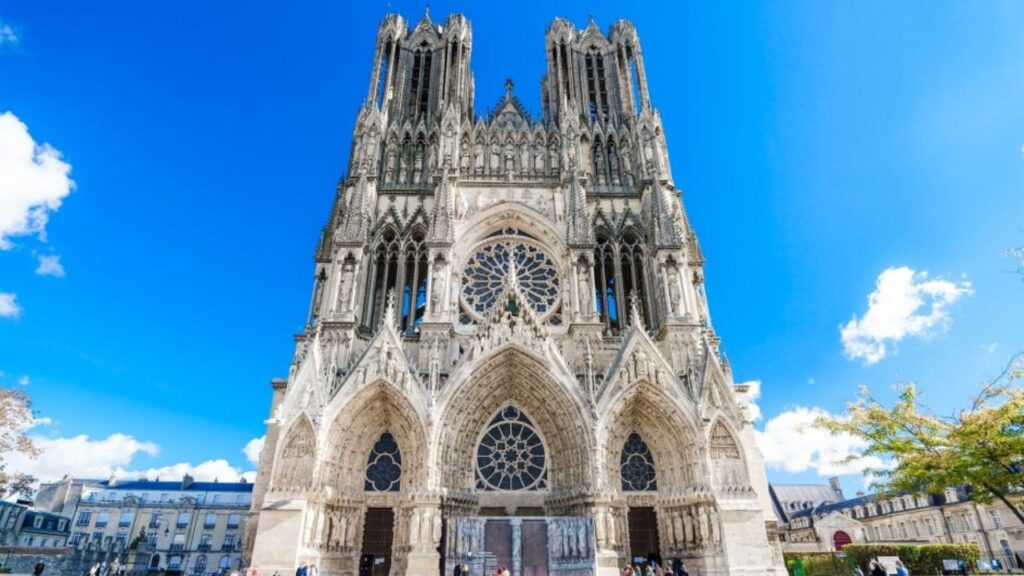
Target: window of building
[916,527]
[151,539]
[205,540]
[997,521]
[384,466]
[76,538]
[61,525]
[636,465]
[225,563]
[929,526]
[37,522]
[174,562]
[126,519]
[201,498]
[44,542]
[400,267]
[903,530]
[102,519]
[200,565]
[216,498]
[179,542]
[165,497]
[966,520]
[233,520]
[510,455]
[210,520]
[154,521]
[888,530]
[183,518]
[229,543]
[619,274]
[242,499]
[29,540]
[121,538]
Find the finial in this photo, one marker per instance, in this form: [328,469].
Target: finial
[508,87]
[634,309]
[511,276]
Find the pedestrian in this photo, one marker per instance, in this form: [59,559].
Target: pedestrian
[857,571]
[627,570]
[302,570]
[682,570]
[877,570]
[901,570]
[505,572]
[38,570]
[95,570]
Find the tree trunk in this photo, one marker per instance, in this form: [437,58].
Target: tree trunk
[1002,498]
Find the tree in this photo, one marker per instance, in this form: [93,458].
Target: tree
[982,446]
[15,418]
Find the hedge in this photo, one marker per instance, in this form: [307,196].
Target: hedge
[919,559]
[818,564]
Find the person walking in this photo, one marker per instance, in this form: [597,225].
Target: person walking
[302,570]
[877,570]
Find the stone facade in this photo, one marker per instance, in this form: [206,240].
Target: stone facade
[195,527]
[509,359]
[951,517]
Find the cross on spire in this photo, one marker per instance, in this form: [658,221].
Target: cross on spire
[509,84]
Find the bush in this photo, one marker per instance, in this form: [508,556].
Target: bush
[818,564]
[919,559]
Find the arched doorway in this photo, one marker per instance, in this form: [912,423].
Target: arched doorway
[840,539]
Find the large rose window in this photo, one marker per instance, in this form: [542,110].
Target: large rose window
[483,277]
[511,455]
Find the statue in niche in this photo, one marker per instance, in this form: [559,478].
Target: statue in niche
[555,158]
[389,164]
[437,302]
[510,159]
[586,290]
[627,165]
[345,285]
[599,163]
[495,160]
[435,364]
[417,171]
[538,158]
[403,166]
[613,165]
[524,158]
[478,158]
[675,291]
[464,159]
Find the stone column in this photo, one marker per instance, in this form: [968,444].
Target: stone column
[517,546]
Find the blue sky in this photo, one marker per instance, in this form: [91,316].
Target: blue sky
[817,144]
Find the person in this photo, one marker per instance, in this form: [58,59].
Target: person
[877,570]
[901,570]
[302,570]
[95,570]
[38,570]
[499,571]
[682,570]
[505,572]
[627,570]
[857,571]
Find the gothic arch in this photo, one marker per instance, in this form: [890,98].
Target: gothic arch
[293,469]
[356,428]
[510,376]
[729,463]
[666,428]
[506,215]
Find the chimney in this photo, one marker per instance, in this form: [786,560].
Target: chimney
[112,481]
[837,488]
[186,481]
[860,493]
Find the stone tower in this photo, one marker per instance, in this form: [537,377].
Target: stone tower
[509,359]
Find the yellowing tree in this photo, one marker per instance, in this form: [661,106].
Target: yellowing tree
[981,446]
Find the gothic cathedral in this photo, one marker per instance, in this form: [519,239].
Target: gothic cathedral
[508,360]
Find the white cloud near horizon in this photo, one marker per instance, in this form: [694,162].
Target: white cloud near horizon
[904,304]
[50,266]
[115,455]
[752,396]
[33,181]
[9,307]
[253,449]
[791,443]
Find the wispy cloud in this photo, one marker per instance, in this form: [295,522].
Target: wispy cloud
[904,304]
[791,442]
[7,34]
[50,266]
[9,307]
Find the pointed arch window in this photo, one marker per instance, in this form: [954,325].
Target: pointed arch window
[399,264]
[637,466]
[511,455]
[619,273]
[384,466]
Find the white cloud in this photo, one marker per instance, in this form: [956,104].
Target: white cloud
[33,181]
[9,305]
[990,348]
[24,381]
[790,442]
[7,34]
[86,457]
[50,266]
[905,303]
[752,396]
[253,449]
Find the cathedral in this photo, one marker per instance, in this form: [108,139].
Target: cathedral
[508,359]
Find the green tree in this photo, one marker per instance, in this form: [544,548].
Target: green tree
[981,446]
[15,418]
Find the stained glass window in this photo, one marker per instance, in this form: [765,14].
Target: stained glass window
[511,455]
[384,466]
[484,275]
[637,465]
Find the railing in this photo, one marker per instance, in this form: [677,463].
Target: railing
[227,548]
[177,547]
[203,548]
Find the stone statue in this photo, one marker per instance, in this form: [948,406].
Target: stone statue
[495,160]
[538,158]
[586,290]
[417,171]
[510,162]
[613,165]
[389,164]
[555,159]
[524,158]
[345,286]
[675,294]
[478,159]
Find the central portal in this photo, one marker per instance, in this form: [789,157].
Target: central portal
[526,546]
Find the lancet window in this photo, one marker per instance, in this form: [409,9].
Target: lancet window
[399,265]
[619,275]
[637,465]
[384,466]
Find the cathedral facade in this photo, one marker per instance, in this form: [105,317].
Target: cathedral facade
[509,360]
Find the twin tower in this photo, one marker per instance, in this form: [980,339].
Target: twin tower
[509,359]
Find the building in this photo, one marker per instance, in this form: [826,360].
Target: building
[509,359]
[196,527]
[788,499]
[951,517]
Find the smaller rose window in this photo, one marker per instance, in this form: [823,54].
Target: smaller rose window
[485,272]
[511,455]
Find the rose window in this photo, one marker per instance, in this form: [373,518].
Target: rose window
[511,455]
[483,277]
